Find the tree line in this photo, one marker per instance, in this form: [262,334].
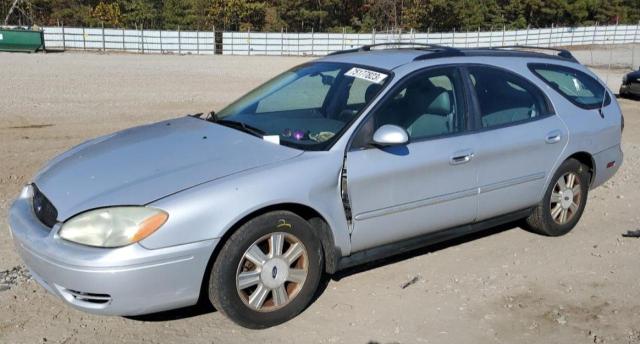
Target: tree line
[323,15]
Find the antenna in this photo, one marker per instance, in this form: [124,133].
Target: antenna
[604,100]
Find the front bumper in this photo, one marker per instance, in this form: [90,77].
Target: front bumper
[130,280]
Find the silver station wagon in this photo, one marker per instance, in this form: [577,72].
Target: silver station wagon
[353,157]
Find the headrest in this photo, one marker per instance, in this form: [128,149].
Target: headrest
[440,105]
[371,91]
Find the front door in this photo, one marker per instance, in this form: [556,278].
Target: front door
[426,185]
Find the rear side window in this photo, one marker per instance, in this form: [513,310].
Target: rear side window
[578,87]
[506,98]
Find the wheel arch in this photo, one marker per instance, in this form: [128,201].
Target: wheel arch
[587,160]
[315,219]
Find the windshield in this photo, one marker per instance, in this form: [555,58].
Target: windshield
[309,106]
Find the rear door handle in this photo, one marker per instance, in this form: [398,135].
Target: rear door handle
[461,157]
[554,136]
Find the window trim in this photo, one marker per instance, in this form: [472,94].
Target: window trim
[467,120]
[555,67]
[477,114]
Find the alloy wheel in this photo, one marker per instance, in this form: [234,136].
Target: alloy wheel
[272,272]
[565,198]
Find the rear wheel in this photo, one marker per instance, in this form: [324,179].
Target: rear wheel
[564,201]
[268,270]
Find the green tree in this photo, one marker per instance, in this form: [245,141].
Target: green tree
[238,14]
[140,13]
[108,14]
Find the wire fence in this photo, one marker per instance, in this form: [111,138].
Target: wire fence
[318,44]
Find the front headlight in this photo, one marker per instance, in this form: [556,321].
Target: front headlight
[624,80]
[113,227]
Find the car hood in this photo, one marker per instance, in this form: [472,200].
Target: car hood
[142,164]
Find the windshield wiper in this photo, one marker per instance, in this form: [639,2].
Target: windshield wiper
[242,127]
[236,125]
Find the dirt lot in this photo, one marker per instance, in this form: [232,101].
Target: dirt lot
[506,286]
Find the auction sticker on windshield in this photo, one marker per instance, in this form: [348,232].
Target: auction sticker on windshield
[365,74]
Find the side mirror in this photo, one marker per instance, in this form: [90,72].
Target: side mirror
[390,135]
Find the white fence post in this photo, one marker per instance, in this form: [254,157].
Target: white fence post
[633,48]
[124,46]
[103,43]
[453,38]
[249,41]
[64,41]
[179,40]
[312,42]
[161,47]
[573,33]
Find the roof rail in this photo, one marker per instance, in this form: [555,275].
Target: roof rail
[421,46]
[561,52]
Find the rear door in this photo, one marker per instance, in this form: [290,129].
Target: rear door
[427,185]
[519,140]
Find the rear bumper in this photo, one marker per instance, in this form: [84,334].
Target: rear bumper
[131,280]
[607,164]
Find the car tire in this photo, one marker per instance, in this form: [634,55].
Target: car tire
[275,256]
[563,202]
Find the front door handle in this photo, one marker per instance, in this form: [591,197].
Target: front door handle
[461,157]
[554,137]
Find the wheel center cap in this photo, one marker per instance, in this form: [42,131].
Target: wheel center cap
[566,198]
[274,273]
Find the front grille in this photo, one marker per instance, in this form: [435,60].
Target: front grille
[44,210]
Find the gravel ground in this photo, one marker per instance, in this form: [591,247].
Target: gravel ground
[503,286]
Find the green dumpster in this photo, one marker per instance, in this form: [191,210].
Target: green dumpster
[21,40]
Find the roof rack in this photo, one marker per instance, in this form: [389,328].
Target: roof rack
[561,52]
[439,51]
[421,46]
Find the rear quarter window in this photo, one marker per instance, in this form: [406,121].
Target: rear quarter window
[578,87]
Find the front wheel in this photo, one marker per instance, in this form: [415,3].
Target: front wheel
[268,270]
[563,202]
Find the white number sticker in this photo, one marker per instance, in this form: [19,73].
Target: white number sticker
[1,37]
[365,74]
[272,139]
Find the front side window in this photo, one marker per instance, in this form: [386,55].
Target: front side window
[505,98]
[428,105]
[578,87]
[308,106]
